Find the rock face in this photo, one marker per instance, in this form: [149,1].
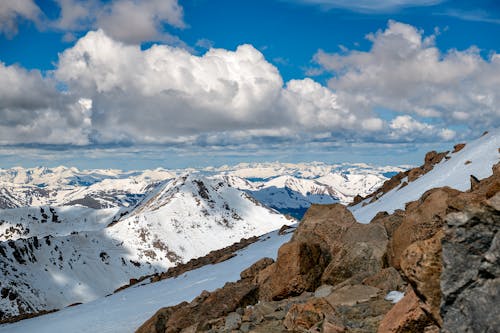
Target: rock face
[356,250]
[422,220]
[471,270]
[406,316]
[421,264]
[297,269]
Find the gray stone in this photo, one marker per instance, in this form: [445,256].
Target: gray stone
[470,280]
[233,321]
[323,291]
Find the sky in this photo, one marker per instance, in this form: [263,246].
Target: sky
[141,84]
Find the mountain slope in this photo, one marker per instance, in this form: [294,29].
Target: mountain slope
[125,311]
[476,158]
[51,260]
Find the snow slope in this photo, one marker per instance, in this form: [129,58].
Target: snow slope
[477,158]
[52,257]
[125,311]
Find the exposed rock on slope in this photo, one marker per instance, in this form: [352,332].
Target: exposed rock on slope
[300,293]
[471,269]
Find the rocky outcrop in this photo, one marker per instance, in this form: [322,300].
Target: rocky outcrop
[407,316]
[423,218]
[471,269]
[443,251]
[203,312]
[421,265]
[298,268]
[356,250]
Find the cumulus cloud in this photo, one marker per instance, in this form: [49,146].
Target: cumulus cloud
[165,93]
[405,72]
[129,21]
[32,110]
[11,11]
[370,6]
[117,92]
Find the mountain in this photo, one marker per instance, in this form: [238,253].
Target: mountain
[51,257]
[361,278]
[454,170]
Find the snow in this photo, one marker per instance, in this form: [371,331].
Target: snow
[127,310]
[455,172]
[394,296]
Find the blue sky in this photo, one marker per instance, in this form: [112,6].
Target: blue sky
[130,84]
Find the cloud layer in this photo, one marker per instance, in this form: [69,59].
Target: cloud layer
[116,17]
[106,91]
[370,6]
[405,72]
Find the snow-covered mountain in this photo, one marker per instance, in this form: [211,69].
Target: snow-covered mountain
[53,257]
[125,311]
[476,159]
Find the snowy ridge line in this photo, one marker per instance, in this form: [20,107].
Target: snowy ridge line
[476,158]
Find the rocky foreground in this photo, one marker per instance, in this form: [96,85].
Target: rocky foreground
[442,251]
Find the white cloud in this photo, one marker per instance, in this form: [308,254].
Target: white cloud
[11,11]
[32,110]
[404,71]
[370,6]
[129,21]
[165,93]
[118,93]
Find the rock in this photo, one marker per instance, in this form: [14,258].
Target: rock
[406,316]
[351,295]
[232,322]
[387,279]
[390,222]
[206,311]
[360,252]
[413,174]
[474,182]
[306,315]
[285,229]
[297,269]
[423,218]
[324,225]
[253,270]
[470,281]
[421,264]
[458,147]
[323,291]
[332,328]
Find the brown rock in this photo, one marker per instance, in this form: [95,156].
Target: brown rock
[324,225]
[205,311]
[415,173]
[332,328]
[423,219]
[421,264]
[351,295]
[406,316]
[360,252]
[458,147]
[306,315]
[297,269]
[387,279]
[253,270]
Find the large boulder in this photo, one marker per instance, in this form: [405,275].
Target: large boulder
[298,268]
[360,252]
[421,264]
[356,250]
[423,219]
[470,281]
[324,225]
[407,316]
